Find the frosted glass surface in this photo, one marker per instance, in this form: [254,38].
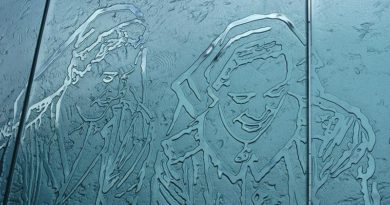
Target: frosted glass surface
[19,27]
[173,102]
[350,131]
[197,102]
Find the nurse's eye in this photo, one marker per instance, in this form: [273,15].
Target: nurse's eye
[109,76]
[241,98]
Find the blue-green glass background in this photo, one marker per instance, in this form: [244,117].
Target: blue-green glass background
[19,27]
[197,102]
[350,62]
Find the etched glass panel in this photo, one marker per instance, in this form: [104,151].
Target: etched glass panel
[350,102]
[167,102]
[19,28]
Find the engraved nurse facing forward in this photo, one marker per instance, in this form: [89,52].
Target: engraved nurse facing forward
[239,128]
[87,137]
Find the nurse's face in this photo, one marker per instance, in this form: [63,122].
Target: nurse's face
[248,102]
[117,76]
[245,108]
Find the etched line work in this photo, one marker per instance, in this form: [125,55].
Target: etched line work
[96,122]
[245,143]
[249,77]
[343,140]
[233,151]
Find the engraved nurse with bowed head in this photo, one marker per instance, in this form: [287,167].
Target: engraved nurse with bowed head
[87,130]
[239,131]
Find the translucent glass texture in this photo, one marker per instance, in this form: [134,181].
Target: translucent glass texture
[350,102]
[19,27]
[199,102]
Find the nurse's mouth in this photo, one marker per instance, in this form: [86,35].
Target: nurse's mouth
[251,123]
